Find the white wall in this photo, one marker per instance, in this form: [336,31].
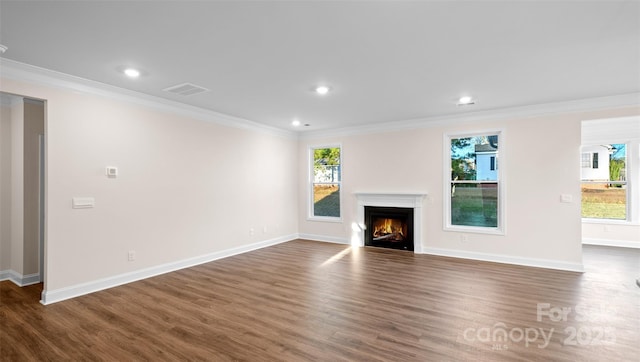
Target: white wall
[540,230]
[186,187]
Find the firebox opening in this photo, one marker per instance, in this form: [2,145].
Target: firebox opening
[389,227]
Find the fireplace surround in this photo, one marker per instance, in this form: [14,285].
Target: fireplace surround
[390,200]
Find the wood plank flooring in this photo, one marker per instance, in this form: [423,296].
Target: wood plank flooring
[312,301]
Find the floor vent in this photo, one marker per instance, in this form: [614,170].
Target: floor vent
[186,89]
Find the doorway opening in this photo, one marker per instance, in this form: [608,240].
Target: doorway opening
[22,189]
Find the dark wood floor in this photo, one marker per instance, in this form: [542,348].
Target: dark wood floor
[311,301]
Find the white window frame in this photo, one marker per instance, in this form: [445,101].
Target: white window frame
[632,183]
[310,182]
[500,229]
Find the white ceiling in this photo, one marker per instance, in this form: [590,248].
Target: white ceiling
[385,61]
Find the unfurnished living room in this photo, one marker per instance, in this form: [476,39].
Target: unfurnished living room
[320,180]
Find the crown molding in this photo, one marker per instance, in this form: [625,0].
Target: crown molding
[546,109]
[14,70]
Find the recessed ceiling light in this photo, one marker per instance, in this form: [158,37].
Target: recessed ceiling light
[132,73]
[323,89]
[466,100]
[295,123]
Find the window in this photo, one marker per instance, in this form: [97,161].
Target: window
[474,199]
[604,189]
[585,161]
[326,178]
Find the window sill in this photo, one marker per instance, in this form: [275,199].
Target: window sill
[325,219]
[474,229]
[610,222]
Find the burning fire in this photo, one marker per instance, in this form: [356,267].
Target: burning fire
[388,229]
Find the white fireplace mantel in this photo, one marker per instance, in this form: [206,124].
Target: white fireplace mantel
[408,200]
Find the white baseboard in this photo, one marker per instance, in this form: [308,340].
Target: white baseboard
[57,295]
[19,279]
[616,243]
[328,239]
[30,279]
[496,258]
[505,259]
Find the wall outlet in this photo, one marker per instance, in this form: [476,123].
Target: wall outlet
[464,238]
[264,229]
[566,198]
[111,171]
[252,231]
[131,255]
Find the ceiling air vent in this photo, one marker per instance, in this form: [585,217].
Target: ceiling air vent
[186,89]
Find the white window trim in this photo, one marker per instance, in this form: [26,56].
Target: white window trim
[310,215]
[446,146]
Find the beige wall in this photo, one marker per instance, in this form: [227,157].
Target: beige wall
[33,128]
[540,158]
[17,185]
[185,187]
[5,184]
[626,235]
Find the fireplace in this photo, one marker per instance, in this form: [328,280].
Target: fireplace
[393,201]
[389,227]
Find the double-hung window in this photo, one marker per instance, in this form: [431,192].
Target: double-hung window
[585,160]
[605,184]
[326,179]
[474,199]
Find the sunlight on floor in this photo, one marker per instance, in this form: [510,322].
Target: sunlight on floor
[351,249]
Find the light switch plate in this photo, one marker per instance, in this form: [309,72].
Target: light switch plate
[566,198]
[111,171]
